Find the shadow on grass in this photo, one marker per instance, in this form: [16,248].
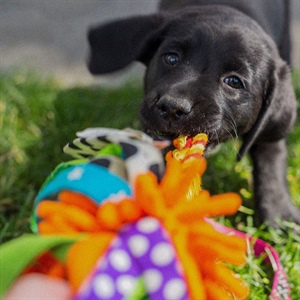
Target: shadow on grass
[74,110]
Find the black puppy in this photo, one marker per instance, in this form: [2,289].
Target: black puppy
[218,67]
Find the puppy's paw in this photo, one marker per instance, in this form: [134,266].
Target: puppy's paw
[285,211]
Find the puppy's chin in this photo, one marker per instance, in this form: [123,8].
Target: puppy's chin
[168,139]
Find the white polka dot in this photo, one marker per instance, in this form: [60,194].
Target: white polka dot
[126,284]
[138,245]
[120,260]
[174,289]
[103,286]
[148,225]
[153,280]
[162,254]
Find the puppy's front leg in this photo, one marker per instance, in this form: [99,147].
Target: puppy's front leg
[272,199]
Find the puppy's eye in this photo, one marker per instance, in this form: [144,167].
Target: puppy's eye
[171,59]
[234,82]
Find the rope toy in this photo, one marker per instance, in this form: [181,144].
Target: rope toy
[116,223]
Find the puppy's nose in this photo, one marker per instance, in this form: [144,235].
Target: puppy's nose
[173,108]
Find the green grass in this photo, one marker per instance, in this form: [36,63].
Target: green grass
[38,117]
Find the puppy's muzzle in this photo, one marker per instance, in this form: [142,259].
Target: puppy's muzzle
[173,109]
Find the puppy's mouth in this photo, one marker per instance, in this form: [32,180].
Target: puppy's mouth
[171,136]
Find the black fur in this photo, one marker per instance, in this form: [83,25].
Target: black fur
[214,66]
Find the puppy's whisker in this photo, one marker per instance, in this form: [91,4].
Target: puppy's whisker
[231,128]
[228,118]
[234,140]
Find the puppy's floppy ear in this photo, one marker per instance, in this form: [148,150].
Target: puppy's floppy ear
[250,137]
[115,45]
[278,110]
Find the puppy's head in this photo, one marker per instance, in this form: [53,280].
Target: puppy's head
[209,69]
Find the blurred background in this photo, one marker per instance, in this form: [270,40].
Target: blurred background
[50,36]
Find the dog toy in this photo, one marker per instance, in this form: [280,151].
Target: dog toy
[116,224]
